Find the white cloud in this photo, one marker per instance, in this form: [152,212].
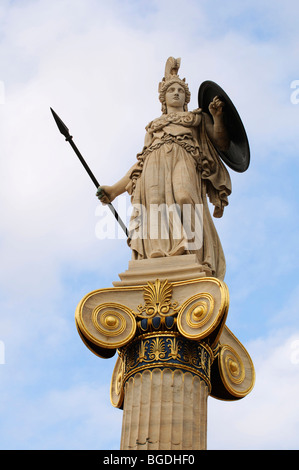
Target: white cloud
[70,419]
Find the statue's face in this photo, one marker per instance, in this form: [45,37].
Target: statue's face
[175,96]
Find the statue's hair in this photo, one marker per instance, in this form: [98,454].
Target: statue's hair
[165,87]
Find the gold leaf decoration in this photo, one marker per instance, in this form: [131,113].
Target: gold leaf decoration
[157,297]
[174,347]
[157,349]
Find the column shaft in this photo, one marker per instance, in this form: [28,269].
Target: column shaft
[165,409]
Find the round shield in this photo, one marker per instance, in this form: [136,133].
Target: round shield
[237,156]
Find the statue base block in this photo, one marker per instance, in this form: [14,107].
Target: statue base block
[172,268]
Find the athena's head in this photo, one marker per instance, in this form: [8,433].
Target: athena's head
[171,77]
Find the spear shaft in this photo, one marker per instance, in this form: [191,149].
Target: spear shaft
[64,131]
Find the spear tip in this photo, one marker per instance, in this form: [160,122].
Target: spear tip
[61,126]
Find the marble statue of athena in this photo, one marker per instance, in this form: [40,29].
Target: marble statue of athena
[178,170]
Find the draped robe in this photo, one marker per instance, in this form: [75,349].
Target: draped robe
[178,169]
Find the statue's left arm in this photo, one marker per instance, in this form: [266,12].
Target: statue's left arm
[215,127]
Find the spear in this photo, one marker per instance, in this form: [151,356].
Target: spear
[64,131]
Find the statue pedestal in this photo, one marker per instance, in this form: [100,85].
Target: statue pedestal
[173,351]
[172,268]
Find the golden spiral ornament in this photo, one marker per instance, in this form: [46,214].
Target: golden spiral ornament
[196,315]
[111,321]
[113,325]
[233,365]
[117,382]
[232,368]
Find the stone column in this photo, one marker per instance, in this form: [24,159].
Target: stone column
[166,387]
[164,409]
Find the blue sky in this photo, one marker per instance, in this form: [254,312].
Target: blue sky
[98,65]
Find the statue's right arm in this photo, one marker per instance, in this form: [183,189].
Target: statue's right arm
[107,194]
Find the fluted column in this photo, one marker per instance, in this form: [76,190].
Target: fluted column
[165,409]
[166,382]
